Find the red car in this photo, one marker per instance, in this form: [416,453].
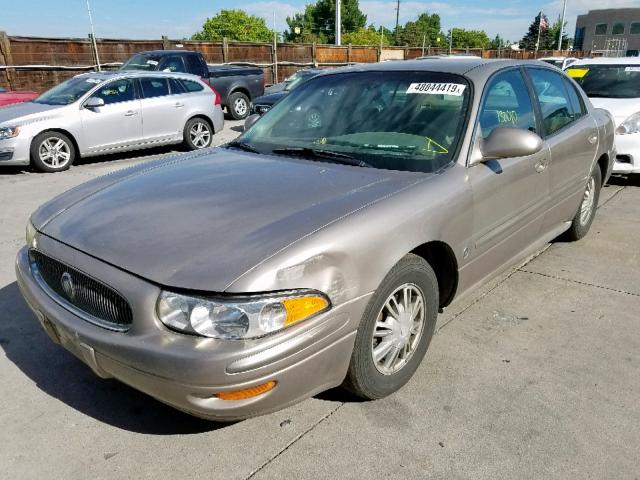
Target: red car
[7,98]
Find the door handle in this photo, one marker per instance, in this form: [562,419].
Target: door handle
[130,113]
[593,138]
[179,105]
[541,165]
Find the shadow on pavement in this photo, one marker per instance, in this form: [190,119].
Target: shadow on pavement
[59,374]
[625,180]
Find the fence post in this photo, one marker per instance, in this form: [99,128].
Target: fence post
[5,48]
[313,55]
[225,49]
[349,54]
[165,43]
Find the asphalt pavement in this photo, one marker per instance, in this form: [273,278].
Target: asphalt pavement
[536,375]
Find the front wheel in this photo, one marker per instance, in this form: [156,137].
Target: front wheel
[52,152]
[395,331]
[583,219]
[239,105]
[197,134]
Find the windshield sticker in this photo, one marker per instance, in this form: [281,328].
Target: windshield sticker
[435,147]
[93,80]
[455,89]
[632,69]
[577,72]
[507,116]
[152,62]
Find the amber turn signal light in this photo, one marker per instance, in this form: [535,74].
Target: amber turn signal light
[247,392]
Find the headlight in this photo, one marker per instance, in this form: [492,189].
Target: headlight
[630,125]
[31,233]
[238,317]
[9,132]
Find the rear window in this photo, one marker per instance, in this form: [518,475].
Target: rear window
[191,86]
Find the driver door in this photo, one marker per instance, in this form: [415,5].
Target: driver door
[509,195]
[116,125]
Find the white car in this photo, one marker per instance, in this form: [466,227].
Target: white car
[614,84]
[100,113]
[561,62]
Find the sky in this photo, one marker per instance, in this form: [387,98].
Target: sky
[137,19]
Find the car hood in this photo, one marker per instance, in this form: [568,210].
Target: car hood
[27,112]
[201,221]
[271,98]
[620,108]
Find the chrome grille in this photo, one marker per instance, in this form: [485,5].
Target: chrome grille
[100,304]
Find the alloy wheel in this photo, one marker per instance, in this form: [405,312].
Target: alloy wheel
[240,106]
[54,152]
[200,135]
[588,200]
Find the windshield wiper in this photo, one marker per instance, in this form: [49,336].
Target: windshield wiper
[242,146]
[336,157]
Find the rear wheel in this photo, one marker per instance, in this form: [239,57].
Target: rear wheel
[583,219]
[52,152]
[396,330]
[239,105]
[197,134]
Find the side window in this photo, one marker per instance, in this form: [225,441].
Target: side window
[194,65]
[154,87]
[507,104]
[618,28]
[553,98]
[601,29]
[176,86]
[634,28]
[172,63]
[117,91]
[577,107]
[191,86]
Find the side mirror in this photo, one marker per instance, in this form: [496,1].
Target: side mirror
[94,102]
[506,142]
[251,119]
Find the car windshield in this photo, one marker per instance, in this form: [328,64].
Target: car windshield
[608,81]
[142,61]
[296,80]
[68,92]
[390,120]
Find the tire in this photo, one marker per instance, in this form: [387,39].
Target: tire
[583,219]
[239,106]
[52,152]
[198,134]
[371,379]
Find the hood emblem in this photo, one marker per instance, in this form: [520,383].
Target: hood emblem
[66,282]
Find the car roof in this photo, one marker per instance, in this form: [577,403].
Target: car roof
[164,52]
[608,61]
[137,74]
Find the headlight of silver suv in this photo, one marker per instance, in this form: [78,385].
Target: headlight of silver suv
[630,125]
[9,132]
[239,317]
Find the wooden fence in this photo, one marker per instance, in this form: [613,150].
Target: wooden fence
[34,63]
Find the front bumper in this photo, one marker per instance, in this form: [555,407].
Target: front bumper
[628,153]
[15,151]
[186,371]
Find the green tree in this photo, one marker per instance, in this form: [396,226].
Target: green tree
[470,38]
[235,25]
[529,41]
[498,42]
[554,32]
[317,21]
[426,27]
[366,36]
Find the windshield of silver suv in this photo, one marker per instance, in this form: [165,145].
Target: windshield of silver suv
[390,120]
[68,92]
[608,81]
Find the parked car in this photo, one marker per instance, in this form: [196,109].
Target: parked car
[236,85]
[9,98]
[100,113]
[614,84]
[452,56]
[301,257]
[304,73]
[265,102]
[561,62]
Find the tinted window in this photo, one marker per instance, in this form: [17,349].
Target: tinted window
[116,91]
[172,63]
[601,29]
[154,87]
[176,86]
[618,28]
[191,86]
[634,29]
[194,65]
[553,98]
[507,104]
[577,107]
[608,81]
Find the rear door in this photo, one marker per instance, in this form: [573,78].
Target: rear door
[509,195]
[572,136]
[117,124]
[163,110]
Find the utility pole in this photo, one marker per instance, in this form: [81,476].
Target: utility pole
[338,23]
[564,11]
[450,40]
[275,50]
[424,40]
[93,38]
[397,20]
